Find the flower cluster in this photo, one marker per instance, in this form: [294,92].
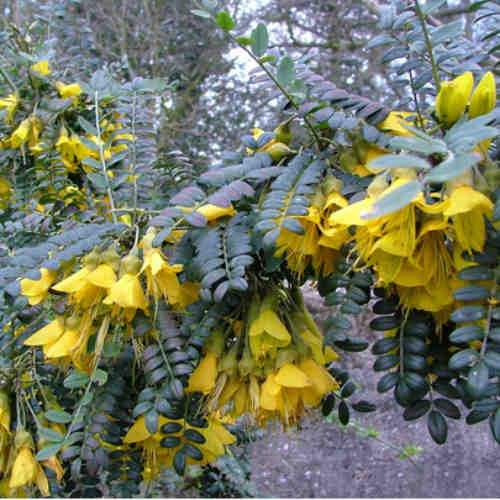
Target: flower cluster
[161,448]
[105,289]
[18,465]
[268,362]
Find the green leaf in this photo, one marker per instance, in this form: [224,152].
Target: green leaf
[225,21]
[492,359]
[399,161]
[438,428]
[468,313]
[286,71]
[343,413]
[472,292]
[451,168]
[260,40]
[476,273]
[461,359]
[76,380]
[59,417]
[98,181]
[201,13]
[477,380]
[395,200]
[87,126]
[48,451]
[417,409]
[466,334]
[495,425]
[426,146]
[100,376]
[244,40]
[50,435]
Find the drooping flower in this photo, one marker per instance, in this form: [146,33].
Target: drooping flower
[467,209]
[127,293]
[25,469]
[28,131]
[37,290]
[10,104]
[204,377]
[266,331]
[215,436]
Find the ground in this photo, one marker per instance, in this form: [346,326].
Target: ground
[324,460]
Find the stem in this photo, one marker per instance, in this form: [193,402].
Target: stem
[488,321]
[103,161]
[134,160]
[415,98]
[309,125]
[9,81]
[428,45]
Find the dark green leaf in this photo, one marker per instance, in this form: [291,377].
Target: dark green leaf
[438,428]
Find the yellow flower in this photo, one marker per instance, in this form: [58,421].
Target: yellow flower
[127,293]
[213,212]
[10,104]
[215,434]
[467,208]
[453,97]
[5,191]
[28,131]
[266,332]
[68,90]
[205,374]
[161,277]
[57,340]
[4,411]
[395,122]
[42,68]
[484,97]
[37,290]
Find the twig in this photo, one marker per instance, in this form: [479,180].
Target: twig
[309,125]
[428,45]
[103,160]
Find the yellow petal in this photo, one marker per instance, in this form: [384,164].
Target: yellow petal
[464,199]
[36,290]
[205,374]
[69,90]
[320,377]
[127,293]
[213,212]
[138,432]
[291,376]
[453,98]
[484,97]
[271,323]
[24,469]
[395,123]
[41,481]
[48,334]
[102,276]
[64,345]
[270,393]
[41,67]
[351,215]
[74,282]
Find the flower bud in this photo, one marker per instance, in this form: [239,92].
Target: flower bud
[453,98]
[484,97]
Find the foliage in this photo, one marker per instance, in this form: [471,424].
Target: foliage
[143,314]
